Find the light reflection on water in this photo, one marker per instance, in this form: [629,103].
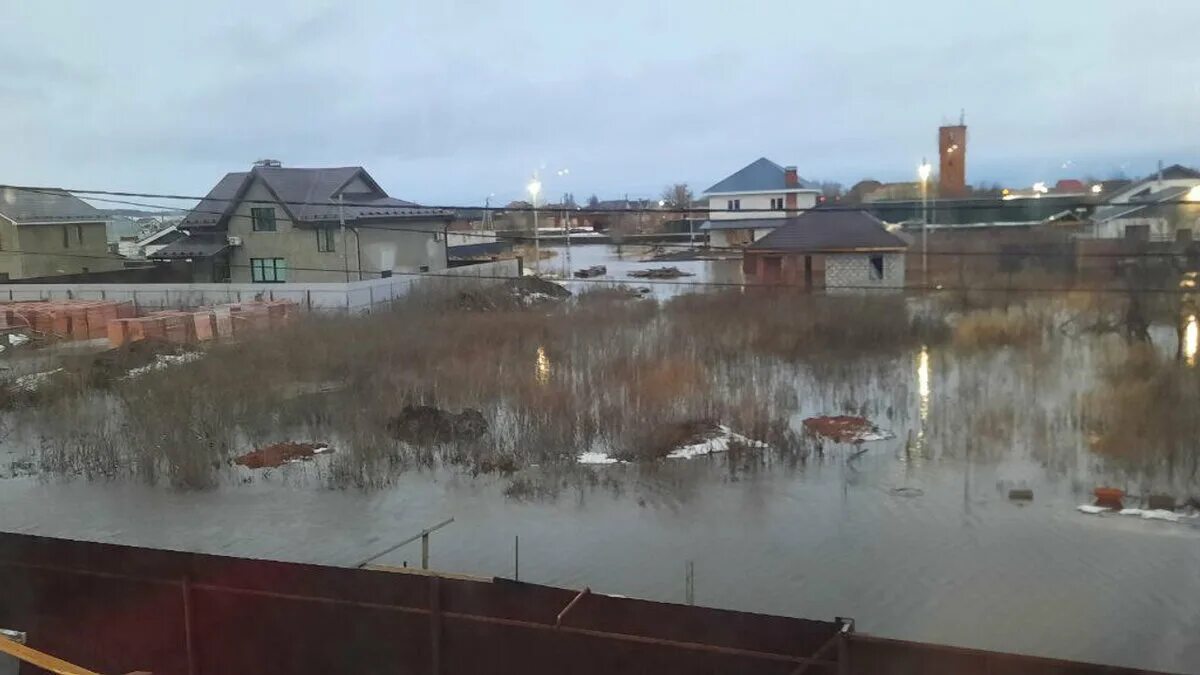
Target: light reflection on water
[542,366]
[1191,339]
[923,395]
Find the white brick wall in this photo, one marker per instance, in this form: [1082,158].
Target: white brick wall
[855,270]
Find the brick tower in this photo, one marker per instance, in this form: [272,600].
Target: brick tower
[952,148]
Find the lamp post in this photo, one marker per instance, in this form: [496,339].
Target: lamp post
[924,171]
[566,227]
[534,187]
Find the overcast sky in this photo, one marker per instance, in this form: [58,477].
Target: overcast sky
[447,102]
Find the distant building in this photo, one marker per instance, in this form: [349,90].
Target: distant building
[749,204]
[47,233]
[274,224]
[828,249]
[952,151]
[151,244]
[1162,207]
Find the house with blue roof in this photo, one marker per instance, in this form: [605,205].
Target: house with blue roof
[750,203]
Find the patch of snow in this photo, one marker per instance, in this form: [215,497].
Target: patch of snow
[164,361]
[718,443]
[877,435]
[17,339]
[1153,514]
[32,381]
[596,458]
[1090,508]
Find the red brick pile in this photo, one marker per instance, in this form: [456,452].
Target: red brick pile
[65,319]
[202,325]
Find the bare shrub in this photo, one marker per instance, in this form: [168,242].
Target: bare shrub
[989,329]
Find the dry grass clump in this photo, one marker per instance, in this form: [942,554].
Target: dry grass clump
[996,328]
[547,381]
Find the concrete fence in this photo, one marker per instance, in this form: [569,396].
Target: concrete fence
[355,296]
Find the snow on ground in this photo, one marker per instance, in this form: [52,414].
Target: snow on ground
[718,443]
[596,458]
[1144,514]
[165,361]
[32,381]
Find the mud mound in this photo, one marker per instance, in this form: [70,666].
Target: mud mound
[660,273]
[278,454]
[512,294]
[846,429]
[427,424]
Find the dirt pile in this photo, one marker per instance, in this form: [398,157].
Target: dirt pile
[660,273]
[593,271]
[845,429]
[426,424]
[515,293]
[278,454]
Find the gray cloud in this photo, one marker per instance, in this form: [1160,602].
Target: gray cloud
[456,101]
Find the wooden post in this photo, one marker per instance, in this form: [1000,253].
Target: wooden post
[516,558]
[425,551]
[186,587]
[435,626]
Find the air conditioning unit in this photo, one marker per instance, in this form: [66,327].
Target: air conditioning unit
[233,241]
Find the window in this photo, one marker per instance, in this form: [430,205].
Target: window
[326,239]
[66,237]
[79,234]
[263,220]
[876,268]
[268,270]
[1137,232]
[734,205]
[776,203]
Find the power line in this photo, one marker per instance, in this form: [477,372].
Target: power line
[731,249]
[934,206]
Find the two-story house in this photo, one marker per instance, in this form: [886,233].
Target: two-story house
[48,233]
[752,202]
[274,224]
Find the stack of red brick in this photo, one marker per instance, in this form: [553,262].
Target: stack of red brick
[202,325]
[66,319]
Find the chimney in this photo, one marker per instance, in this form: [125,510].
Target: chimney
[269,163]
[790,182]
[790,179]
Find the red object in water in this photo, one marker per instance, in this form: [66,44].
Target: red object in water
[1110,497]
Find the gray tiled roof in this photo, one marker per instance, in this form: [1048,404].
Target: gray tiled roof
[1139,207]
[761,174]
[819,230]
[309,196]
[39,206]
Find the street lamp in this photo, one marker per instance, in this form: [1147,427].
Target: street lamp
[924,172]
[534,187]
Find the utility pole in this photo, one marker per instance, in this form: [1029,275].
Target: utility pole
[345,247]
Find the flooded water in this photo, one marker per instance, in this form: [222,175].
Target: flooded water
[621,260]
[914,537]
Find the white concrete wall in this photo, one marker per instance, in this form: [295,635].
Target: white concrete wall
[718,205]
[854,270]
[356,296]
